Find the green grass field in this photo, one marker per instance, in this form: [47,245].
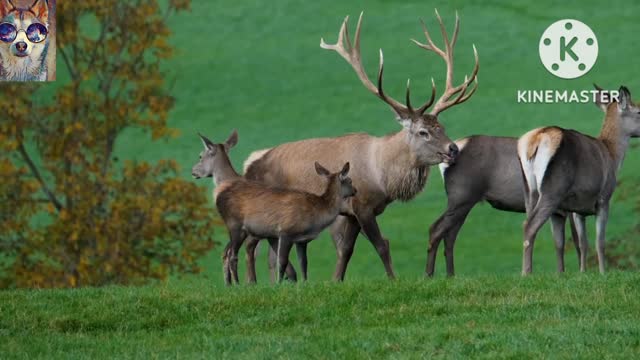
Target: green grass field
[257,67]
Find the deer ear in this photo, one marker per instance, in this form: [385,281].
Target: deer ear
[624,98]
[603,98]
[5,7]
[321,170]
[208,144]
[232,140]
[345,169]
[41,9]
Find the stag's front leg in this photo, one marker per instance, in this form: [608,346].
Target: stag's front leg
[557,231]
[372,232]
[344,232]
[602,216]
[273,261]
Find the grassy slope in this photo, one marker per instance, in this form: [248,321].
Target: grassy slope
[483,316]
[256,66]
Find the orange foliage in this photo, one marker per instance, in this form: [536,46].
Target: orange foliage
[71,215]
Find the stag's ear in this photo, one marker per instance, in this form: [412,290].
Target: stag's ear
[345,169]
[208,144]
[231,141]
[41,9]
[624,98]
[321,170]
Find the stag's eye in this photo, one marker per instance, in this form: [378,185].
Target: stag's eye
[424,133]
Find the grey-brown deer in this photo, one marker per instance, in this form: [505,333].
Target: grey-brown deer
[486,169]
[384,169]
[570,171]
[288,216]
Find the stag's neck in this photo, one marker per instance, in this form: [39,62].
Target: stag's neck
[612,136]
[402,174]
[224,171]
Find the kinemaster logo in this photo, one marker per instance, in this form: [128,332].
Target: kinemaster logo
[568,49]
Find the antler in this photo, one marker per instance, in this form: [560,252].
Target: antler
[351,53]
[445,101]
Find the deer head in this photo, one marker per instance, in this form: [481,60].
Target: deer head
[214,158]
[628,113]
[425,135]
[346,186]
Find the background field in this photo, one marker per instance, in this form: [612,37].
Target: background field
[257,67]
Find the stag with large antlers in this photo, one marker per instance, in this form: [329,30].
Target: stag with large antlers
[384,169]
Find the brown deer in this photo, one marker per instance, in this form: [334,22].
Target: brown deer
[249,207]
[570,171]
[486,169]
[214,162]
[384,169]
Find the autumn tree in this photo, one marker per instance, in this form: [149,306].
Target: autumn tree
[71,213]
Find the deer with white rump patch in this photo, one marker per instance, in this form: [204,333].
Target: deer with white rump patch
[567,170]
[384,169]
[285,217]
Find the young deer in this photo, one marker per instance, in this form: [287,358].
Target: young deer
[486,169]
[385,169]
[214,162]
[569,171]
[290,216]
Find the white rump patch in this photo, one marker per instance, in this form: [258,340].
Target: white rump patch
[253,157]
[535,168]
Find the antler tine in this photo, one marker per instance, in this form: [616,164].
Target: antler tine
[454,38]
[424,107]
[408,96]
[443,103]
[352,55]
[445,37]
[430,46]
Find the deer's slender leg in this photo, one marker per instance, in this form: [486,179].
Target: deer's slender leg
[372,232]
[557,230]
[574,236]
[251,248]
[581,230]
[237,238]
[602,215]
[284,248]
[226,270]
[344,232]
[301,251]
[535,219]
[446,227]
[273,260]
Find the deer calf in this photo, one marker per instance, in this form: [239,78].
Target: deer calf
[253,208]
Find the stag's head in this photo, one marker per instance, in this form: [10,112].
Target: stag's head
[214,156]
[346,186]
[425,135]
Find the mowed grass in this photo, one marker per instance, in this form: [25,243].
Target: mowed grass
[257,67]
[550,316]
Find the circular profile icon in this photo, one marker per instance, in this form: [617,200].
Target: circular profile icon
[568,48]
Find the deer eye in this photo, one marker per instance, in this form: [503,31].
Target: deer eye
[424,133]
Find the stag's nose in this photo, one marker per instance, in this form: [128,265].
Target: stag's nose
[453,150]
[21,46]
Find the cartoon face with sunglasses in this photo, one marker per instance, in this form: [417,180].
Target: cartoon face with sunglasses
[23,45]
